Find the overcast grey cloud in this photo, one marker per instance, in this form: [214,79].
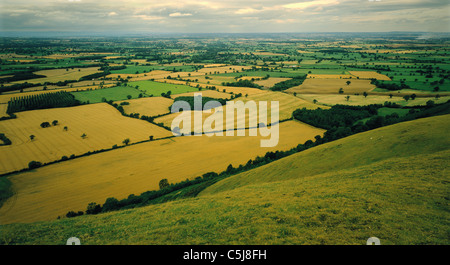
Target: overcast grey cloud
[225,16]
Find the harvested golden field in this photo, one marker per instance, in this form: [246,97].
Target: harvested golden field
[287,105]
[369,75]
[3,108]
[214,65]
[331,86]
[56,75]
[103,125]
[152,106]
[270,82]
[51,191]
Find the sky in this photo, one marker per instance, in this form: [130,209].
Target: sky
[224,16]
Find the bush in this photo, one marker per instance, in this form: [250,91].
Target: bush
[93,208]
[34,164]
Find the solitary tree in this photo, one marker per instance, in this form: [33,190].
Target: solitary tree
[151,137]
[163,183]
[126,141]
[341,90]
[55,122]
[365,94]
[348,83]
[129,96]
[32,137]
[65,128]
[83,136]
[413,96]
[347,98]
[406,97]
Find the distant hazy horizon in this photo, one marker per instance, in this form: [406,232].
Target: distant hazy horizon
[114,17]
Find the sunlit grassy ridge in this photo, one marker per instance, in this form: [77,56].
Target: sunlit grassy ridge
[423,136]
[391,183]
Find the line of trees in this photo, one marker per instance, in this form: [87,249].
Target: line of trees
[42,101]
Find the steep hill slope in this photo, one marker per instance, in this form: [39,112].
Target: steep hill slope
[423,136]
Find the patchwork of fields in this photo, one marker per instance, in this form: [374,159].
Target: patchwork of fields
[102,124]
[375,170]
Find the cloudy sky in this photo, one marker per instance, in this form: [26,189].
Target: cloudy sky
[227,16]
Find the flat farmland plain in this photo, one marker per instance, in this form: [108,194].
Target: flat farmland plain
[51,191]
[103,125]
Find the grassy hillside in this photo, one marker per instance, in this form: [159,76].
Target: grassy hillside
[423,136]
[391,183]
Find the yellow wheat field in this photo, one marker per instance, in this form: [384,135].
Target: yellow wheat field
[369,75]
[152,106]
[53,190]
[271,81]
[331,86]
[56,75]
[3,108]
[103,125]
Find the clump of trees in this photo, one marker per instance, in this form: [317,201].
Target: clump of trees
[242,83]
[296,81]
[389,85]
[191,99]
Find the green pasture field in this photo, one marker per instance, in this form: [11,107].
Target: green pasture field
[156,88]
[113,93]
